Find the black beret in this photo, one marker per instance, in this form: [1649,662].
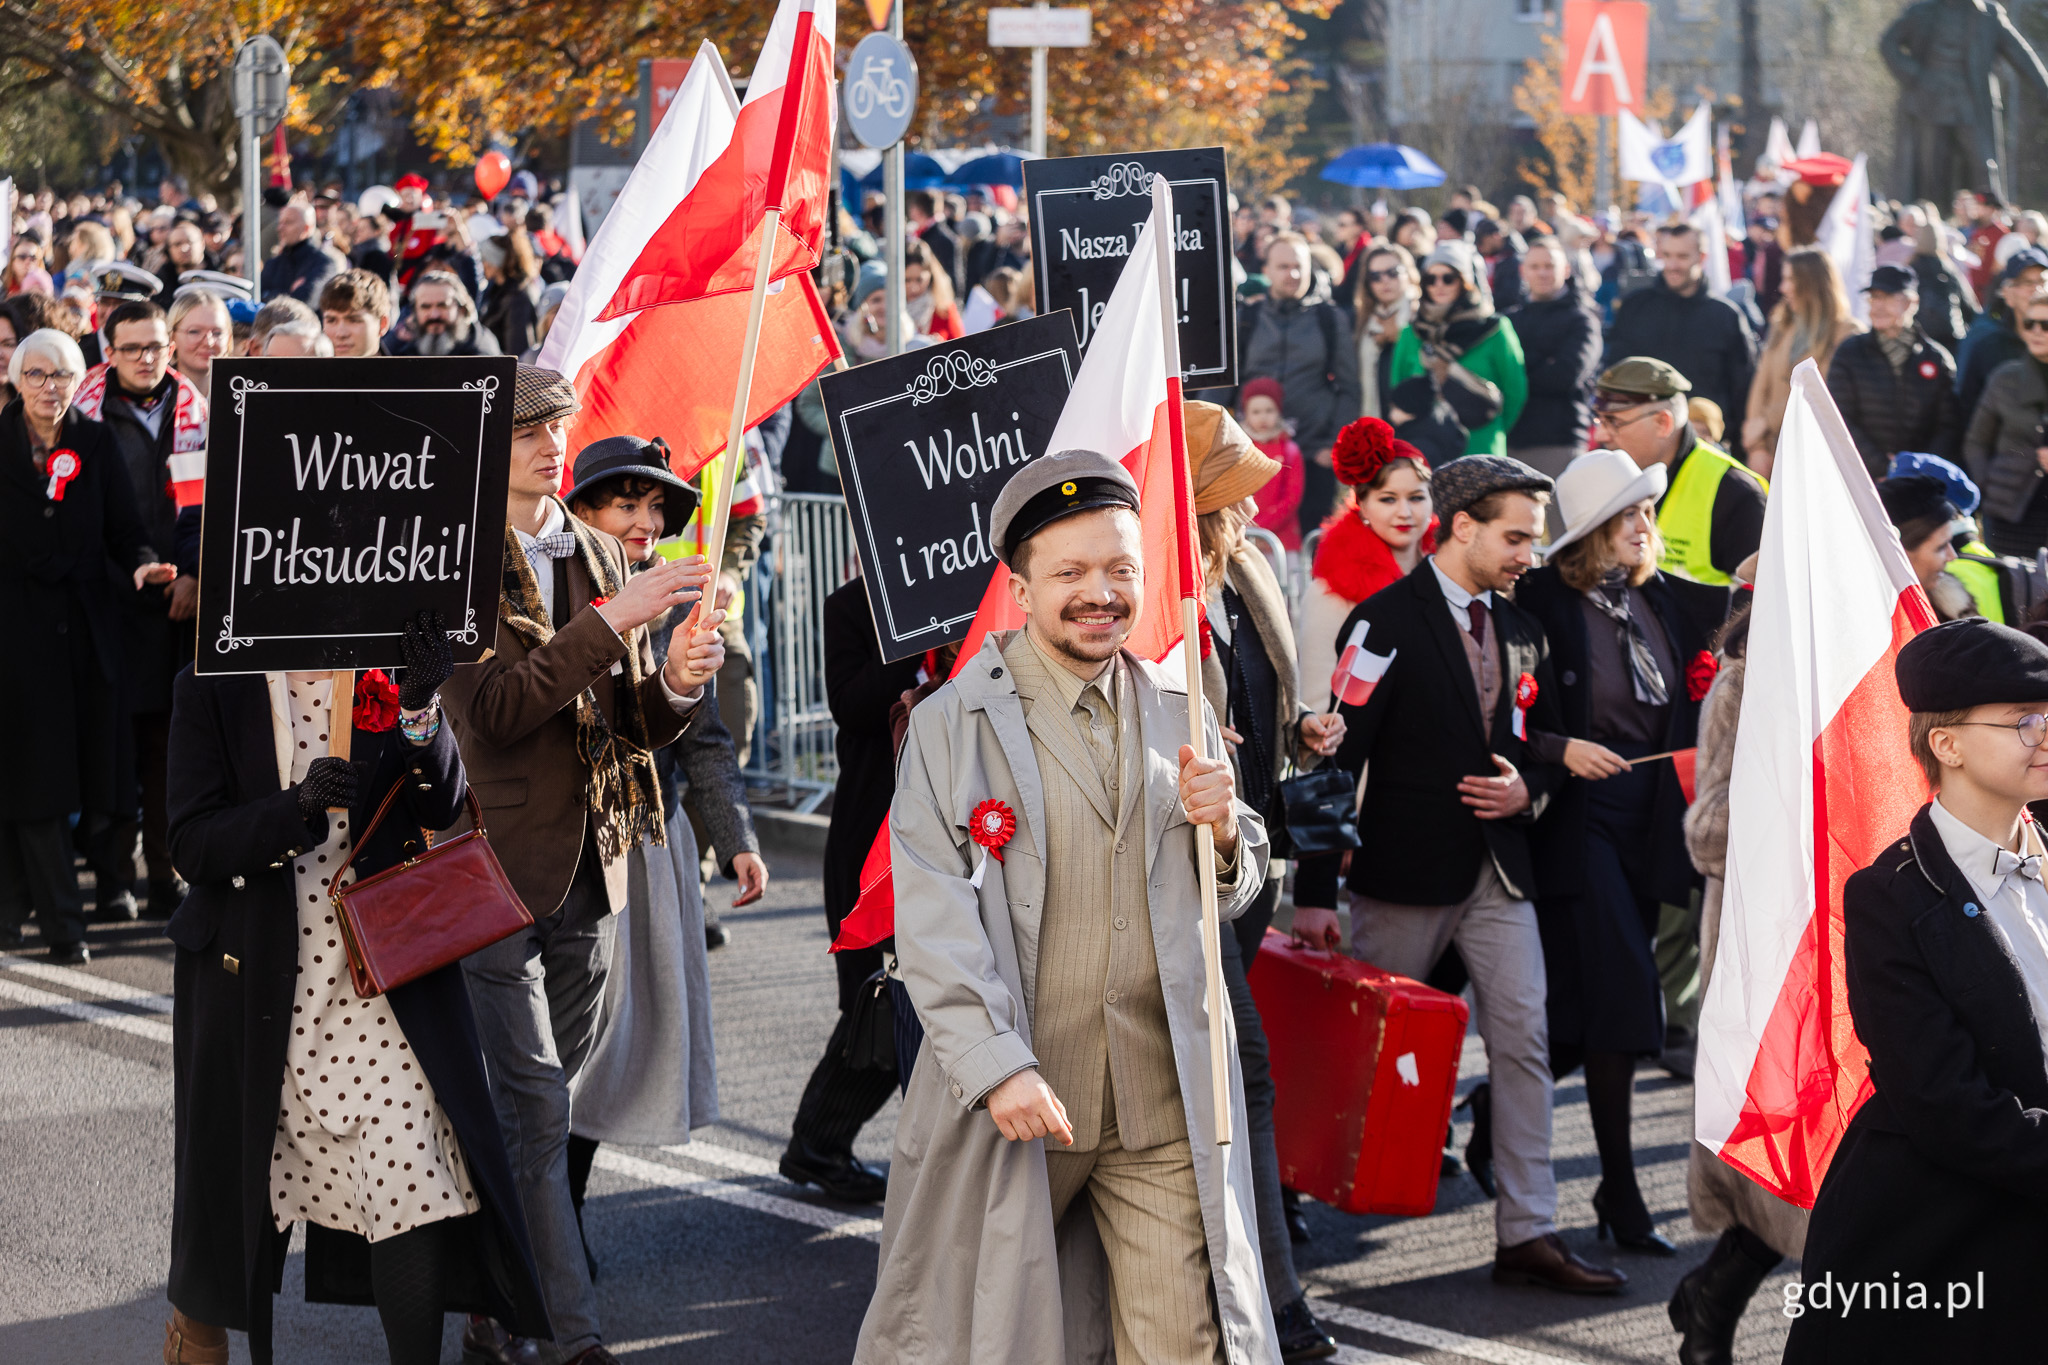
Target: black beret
[1915,497]
[1973,662]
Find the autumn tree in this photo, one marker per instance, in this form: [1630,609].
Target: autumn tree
[167,72]
[1570,141]
[1178,73]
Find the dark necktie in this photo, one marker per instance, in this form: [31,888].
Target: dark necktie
[1476,611]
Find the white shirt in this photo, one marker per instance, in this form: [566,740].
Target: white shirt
[2017,905]
[1459,599]
[544,564]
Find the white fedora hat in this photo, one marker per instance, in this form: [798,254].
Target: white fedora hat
[1597,485]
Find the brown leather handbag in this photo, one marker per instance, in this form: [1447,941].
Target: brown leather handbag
[426,912]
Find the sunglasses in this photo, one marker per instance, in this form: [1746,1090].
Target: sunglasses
[1441,277]
[1378,275]
[2034,324]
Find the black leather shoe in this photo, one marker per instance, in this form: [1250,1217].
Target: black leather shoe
[1549,1264]
[1640,1235]
[118,909]
[1451,1166]
[164,897]
[1297,1222]
[1479,1151]
[716,935]
[844,1177]
[70,954]
[484,1342]
[1301,1336]
[1707,1305]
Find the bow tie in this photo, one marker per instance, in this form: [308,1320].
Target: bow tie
[2029,866]
[556,545]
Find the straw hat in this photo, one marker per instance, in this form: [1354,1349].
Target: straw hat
[1227,467]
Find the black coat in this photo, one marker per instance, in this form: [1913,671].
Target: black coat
[1889,411]
[1704,338]
[1559,839]
[1561,354]
[67,744]
[301,270]
[1943,1173]
[1946,311]
[154,646]
[860,689]
[232,831]
[1422,733]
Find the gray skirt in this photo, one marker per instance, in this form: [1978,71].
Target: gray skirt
[653,1075]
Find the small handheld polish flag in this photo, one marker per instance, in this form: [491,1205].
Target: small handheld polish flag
[1358,672]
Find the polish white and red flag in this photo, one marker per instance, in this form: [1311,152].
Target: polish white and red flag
[1126,403]
[651,330]
[1358,670]
[1822,781]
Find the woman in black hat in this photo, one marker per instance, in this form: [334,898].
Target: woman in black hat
[1918,507]
[652,1075]
[1927,1236]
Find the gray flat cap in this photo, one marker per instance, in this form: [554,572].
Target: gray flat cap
[1052,487]
[1456,486]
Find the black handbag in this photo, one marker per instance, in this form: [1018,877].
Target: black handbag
[871,1027]
[1318,814]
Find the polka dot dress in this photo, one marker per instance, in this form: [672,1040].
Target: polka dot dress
[361,1144]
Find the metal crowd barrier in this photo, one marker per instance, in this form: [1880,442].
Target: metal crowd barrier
[809,553]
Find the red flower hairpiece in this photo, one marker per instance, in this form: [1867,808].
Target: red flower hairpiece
[1367,446]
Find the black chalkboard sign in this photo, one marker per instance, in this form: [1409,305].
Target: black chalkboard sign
[344,495]
[1085,215]
[925,441]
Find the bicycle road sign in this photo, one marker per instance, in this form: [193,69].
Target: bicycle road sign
[880,90]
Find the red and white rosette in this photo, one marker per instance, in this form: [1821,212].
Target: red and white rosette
[992,825]
[63,469]
[1525,697]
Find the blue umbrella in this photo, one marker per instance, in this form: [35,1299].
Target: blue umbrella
[1385,166]
[997,168]
[920,172]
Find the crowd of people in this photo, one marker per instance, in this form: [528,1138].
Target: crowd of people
[1526,451]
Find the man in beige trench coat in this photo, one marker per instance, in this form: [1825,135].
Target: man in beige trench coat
[1057,1194]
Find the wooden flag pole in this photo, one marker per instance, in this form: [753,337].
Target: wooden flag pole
[341,724]
[793,93]
[1188,547]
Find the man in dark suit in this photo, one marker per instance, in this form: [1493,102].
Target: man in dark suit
[1936,1193]
[1453,787]
[553,728]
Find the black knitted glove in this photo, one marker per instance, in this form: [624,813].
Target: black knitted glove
[429,661]
[329,782]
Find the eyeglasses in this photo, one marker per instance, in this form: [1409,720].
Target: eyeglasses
[37,379]
[2032,729]
[1441,277]
[148,350]
[1613,422]
[2034,324]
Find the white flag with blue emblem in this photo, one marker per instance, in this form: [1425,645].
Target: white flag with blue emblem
[1684,158]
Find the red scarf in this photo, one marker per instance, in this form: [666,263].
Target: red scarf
[1353,562]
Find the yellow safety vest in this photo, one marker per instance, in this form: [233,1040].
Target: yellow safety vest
[1979,572]
[1686,519]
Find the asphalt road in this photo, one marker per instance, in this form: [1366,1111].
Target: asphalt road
[706,1256]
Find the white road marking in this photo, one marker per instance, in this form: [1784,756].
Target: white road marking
[1436,1338]
[85,983]
[86,1013]
[831,1223]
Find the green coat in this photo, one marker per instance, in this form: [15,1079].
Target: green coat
[1498,359]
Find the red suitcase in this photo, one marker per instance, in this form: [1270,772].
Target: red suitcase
[1365,1065]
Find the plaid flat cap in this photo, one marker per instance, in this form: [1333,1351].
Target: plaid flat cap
[1464,481]
[540,395]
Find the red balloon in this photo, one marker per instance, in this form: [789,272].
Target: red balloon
[493,173]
